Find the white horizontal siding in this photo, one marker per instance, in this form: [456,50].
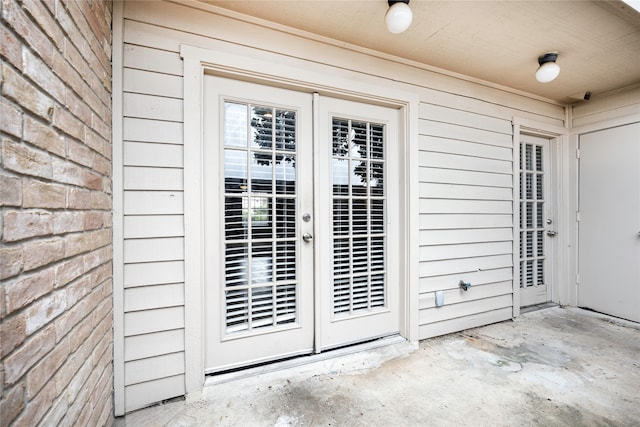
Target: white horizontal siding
[156,131]
[152,273]
[465,181]
[466,217]
[149,369]
[143,394]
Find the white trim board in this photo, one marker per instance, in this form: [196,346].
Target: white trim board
[281,71]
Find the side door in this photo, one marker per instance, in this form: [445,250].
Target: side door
[609,227]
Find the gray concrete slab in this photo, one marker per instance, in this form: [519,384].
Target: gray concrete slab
[552,367]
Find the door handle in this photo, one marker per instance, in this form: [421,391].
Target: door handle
[551,233]
[307,237]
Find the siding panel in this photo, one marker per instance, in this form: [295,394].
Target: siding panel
[148,154]
[152,83]
[144,178]
[153,250]
[143,394]
[144,226]
[150,345]
[144,58]
[144,370]
[151,297]
[153,202]
[152,107]
[158,131]
[148,321]
[153,273]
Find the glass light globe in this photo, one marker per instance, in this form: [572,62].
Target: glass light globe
[398,17]
[547,72]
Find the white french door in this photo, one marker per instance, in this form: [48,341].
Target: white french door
[358,201]
[299,225]
[537,227]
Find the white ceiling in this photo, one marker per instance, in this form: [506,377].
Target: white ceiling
[496,41]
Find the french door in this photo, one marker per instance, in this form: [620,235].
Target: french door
[284,206]
[537,227]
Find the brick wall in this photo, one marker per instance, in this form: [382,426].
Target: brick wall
[55,201]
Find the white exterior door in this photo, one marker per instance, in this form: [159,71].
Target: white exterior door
[537,228]
[358,218]
[609,227]
[271,221]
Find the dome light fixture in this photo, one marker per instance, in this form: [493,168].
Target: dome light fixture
[399,16]
[548,69]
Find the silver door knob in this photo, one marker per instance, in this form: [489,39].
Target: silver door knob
[551,233]
[307,237]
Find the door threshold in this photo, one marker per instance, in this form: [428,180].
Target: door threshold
[295,362]
[536,307]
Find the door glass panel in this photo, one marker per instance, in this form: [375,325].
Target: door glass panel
[260,285]
[532,245]
[358,211]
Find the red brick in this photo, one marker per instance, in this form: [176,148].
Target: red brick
[101,127]
[69,270]
[42,16]
[28,288]
[78,198]
[100,201]
[65,71]
[42,75]
[98,143]
[10,119]
[91,180]
[67,222]
[78,335]
[93,220]
[13,333]
[102,165]
[36,408]
[11,261]
[38,194]
[68,369]
[10,191]
[98,399]
[43,311]
[97,258]
[67,123]
[72,317]
[16,88]
[20,225]
[20,361]
[57,412]
[78,107]
[11,404]
[43,371]
[43,136]
[41,253]
[78,243]
[80,153]
[10,48]
[78,290]
[36,39]
[67,172]
[22,159]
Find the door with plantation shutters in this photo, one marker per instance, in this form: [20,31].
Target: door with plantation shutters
[359,204]
[301,244]
[257,163]
[537,221]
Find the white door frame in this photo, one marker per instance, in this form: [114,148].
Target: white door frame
[560,166]
[281,71]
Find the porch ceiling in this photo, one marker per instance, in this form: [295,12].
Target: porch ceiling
[496,41]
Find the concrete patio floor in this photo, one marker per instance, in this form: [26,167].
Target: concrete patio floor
[552,367]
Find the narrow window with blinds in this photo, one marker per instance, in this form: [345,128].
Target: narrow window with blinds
[532,200]
[358,208]
[260,195]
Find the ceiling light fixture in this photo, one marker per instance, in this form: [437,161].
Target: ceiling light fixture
[399,16]
[548,69]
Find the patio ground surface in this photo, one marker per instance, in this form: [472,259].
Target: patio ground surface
[552,367]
